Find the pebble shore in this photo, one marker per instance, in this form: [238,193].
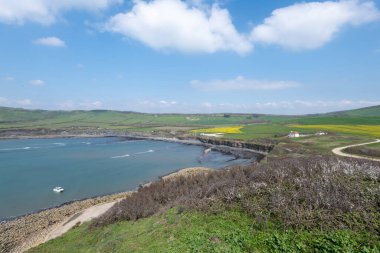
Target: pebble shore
[28,231]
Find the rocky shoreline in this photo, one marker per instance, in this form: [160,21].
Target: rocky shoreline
[24,232]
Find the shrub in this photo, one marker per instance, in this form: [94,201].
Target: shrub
[307,193]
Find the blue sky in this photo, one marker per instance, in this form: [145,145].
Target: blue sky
[194,56]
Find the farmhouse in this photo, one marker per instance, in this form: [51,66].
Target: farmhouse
[293,134]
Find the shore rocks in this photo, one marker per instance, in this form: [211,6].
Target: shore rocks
[28,231]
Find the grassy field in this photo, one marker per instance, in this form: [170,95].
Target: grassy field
[361,130]
[11,118]
[231,231]
[223,130]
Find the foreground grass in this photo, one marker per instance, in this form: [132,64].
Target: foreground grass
[230,231]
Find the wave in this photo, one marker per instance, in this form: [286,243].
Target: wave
[140,153]
[59,144]
[12,149]
[120,156]
[87,143]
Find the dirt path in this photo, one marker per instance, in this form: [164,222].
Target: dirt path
[338,151]
[81,217]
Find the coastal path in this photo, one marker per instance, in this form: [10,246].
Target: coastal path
[339,151]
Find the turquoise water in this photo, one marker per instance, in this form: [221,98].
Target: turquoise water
[87,167]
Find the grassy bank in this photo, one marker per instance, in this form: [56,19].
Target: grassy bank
[190,231]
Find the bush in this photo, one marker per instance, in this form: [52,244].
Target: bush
[307,193]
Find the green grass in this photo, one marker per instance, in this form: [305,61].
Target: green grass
[230,231]
[266,130]
[356,130]
[373,111]
[336,120]
[25,119]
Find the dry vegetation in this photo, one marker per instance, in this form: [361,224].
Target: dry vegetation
[363,151]
[325,193]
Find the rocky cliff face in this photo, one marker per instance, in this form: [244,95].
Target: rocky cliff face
[260,148]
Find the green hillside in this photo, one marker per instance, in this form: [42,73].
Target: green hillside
[22,119]
[11,118]
[373,111]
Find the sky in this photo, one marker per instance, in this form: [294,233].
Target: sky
[190,56]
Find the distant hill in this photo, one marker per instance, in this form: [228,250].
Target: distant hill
[15,118]
[372,111]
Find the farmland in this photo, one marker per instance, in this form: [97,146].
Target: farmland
[362,130]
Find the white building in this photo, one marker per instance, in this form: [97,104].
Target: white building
[294,134]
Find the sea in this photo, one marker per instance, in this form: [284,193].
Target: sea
[88,167]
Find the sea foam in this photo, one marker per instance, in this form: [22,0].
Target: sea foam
[140,153]
[120,156]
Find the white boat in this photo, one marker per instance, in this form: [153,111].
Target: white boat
[58,189]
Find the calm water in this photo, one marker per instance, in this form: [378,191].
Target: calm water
[30,169]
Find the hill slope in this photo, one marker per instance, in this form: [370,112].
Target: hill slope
[372,111]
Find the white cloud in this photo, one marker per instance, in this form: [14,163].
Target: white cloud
[3,101]
[91,105]
[8,78]
[15,103]
[311,25]
[50,41]
[242,84]
[164,102]
[83,105]
[66,105]
[283,107]
[180,26]
[46,11]
[37,82]
[24,102]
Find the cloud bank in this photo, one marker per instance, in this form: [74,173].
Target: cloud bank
[242,84]
[180,26]
[50,41]
[193,26]
[46,12]
[37,82]
[311,25]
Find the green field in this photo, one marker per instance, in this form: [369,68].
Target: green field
[11,118]
[254,126]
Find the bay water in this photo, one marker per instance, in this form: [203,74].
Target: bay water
[87,167]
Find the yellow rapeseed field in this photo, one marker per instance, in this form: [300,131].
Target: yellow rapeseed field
[224,130]
[369,130]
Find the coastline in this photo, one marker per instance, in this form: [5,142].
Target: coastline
[240,150]
[23,232]
[26,231]
[237,152]
[30,230]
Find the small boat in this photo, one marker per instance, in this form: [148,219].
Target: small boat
[58,189]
